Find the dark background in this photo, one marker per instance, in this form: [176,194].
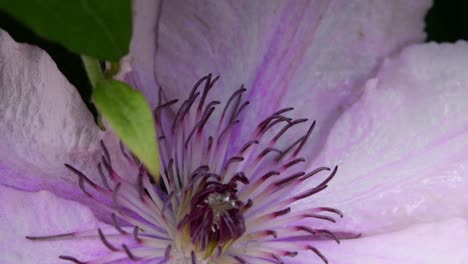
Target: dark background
[447,21]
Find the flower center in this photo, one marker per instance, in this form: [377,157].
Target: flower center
[215,215]
[216,202]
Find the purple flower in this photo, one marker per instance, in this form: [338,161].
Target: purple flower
[245,183]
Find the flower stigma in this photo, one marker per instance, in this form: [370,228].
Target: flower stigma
[215,202]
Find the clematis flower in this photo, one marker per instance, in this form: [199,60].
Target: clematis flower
[247,183]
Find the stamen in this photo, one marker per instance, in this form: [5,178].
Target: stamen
[105,242]
[328,209]
[141,188]
[300,143]
[287,127]
[72,259]
[199,126]
[310,192]
[309,132]
[292,163]
[115,196]
[106,153]
[124,153]
[194,258]
[282,212]
[318,253]
[214,203]
[248,144]
[135,234]
[129,253]
[233,160]
[103,177]
[226,130]
[278,120]
[284,110]
[117,226]
[82,178]
[167,253]
[322,217]
[208,85]
[235,96]
[327,180]
[317,170]
[264,125]
[268,150]
[159,108]
[66,235]
[241,260]
[328,234]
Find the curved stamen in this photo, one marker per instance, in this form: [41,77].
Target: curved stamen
[117,226]
[318,253]
[220,199]
[129,253]
[72,259]
[105,242]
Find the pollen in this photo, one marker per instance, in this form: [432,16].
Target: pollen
[220,204]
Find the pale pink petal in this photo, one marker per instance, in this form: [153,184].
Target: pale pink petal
[433,243]
[44,124]
[312,55]
[36,214]
[140,61]
[403,148]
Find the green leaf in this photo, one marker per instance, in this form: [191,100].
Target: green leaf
[98,28]
[131,118]
[93,70]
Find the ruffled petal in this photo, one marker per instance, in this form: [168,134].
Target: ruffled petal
[44,124]
[37,214]
[433,243]
[312,55]
[403,148]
